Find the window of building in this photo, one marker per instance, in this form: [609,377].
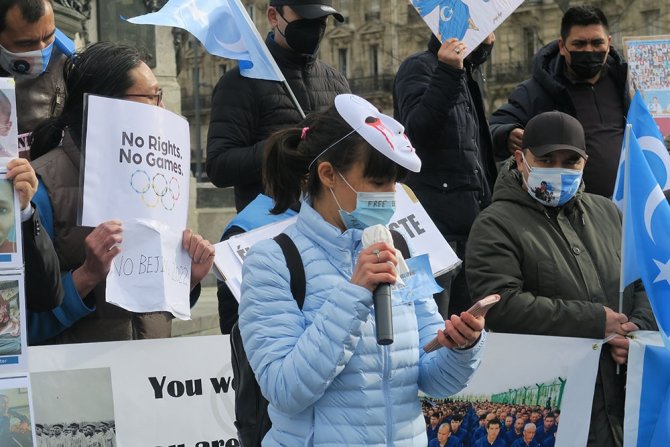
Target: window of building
[374,60]
[251,10]
[529,43]
[375,11]
[412,15]
[223,68]
[110,28]
[651,20]
[343,60]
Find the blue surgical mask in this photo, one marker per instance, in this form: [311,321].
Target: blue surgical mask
[552,186]
[372,208]
[29,64]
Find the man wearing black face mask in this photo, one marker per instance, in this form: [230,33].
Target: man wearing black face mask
[582,75]
[438,100]
[246,111]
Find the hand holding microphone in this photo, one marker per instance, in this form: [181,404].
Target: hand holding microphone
[376,271]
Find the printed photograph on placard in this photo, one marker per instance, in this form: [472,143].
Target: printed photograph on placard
[536,393]
[15,416]
[8,132]
[11,249]
[13,341]
[74,407]
[649,66]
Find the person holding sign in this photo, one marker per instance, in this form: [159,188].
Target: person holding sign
[437,98]
[117,71]
[327,380]
[555,261]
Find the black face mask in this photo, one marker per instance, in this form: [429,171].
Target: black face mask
[304,35]
[480,54]
[587,64]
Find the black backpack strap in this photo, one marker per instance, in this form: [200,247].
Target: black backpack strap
[295,267]
[400,243]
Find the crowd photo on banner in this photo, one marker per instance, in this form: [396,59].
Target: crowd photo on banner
[465,254]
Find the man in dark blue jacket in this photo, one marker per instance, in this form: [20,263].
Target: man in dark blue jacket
[581,75]
[437,99]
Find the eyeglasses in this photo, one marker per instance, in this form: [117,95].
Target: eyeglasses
[158,96]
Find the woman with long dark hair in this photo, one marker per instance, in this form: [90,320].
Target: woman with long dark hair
[327,380]
[118,71]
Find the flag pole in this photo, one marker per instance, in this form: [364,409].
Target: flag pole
[269,57]
[626,184]
[626,191]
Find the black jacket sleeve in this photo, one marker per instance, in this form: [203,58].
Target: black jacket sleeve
[424,98]
[44,289]
[516,113]
[233,156]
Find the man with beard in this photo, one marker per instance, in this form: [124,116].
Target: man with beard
[582,75]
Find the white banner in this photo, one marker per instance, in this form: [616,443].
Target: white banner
[169,392]
[527,371]
[467,20]
[137,163]
[410,219]
[178,392]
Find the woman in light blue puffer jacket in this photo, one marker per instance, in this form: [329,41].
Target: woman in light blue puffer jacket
[327,380]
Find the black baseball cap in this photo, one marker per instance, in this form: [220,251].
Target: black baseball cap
[553,131]
[310,9]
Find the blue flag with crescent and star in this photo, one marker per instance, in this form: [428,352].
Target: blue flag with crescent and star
[650,140]
[646,234]
[224,29]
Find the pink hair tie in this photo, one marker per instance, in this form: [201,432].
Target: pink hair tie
[303,134]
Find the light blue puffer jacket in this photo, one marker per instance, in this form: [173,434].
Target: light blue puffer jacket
[327,380]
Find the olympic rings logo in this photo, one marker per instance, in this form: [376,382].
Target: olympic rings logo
[156,189]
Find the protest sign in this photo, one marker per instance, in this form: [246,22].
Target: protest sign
[11,248]
[137,161]
[153,266]
[410,219]
[13,330]
[9,144]
[650,73]
[467,20]
[16,412]
[524,371]
[136,169]
[150,399]
[166,392]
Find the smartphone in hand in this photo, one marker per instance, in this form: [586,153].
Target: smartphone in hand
[478,309]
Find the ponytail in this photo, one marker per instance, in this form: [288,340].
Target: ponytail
[285,168]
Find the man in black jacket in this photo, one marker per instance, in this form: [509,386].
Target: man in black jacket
[582,75]
[246,111]
[440,104]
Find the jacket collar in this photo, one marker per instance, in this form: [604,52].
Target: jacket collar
[286,57]
[549,67]
[340,247]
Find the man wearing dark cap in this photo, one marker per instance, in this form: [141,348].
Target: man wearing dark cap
[580,74]
[58,439]
[555,260]
[246,111]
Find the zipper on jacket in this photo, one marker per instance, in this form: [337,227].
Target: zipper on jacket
[56,100]
[387,396]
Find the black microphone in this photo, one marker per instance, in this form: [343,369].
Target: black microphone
[381,297]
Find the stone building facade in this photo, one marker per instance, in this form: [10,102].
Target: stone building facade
[378,35]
